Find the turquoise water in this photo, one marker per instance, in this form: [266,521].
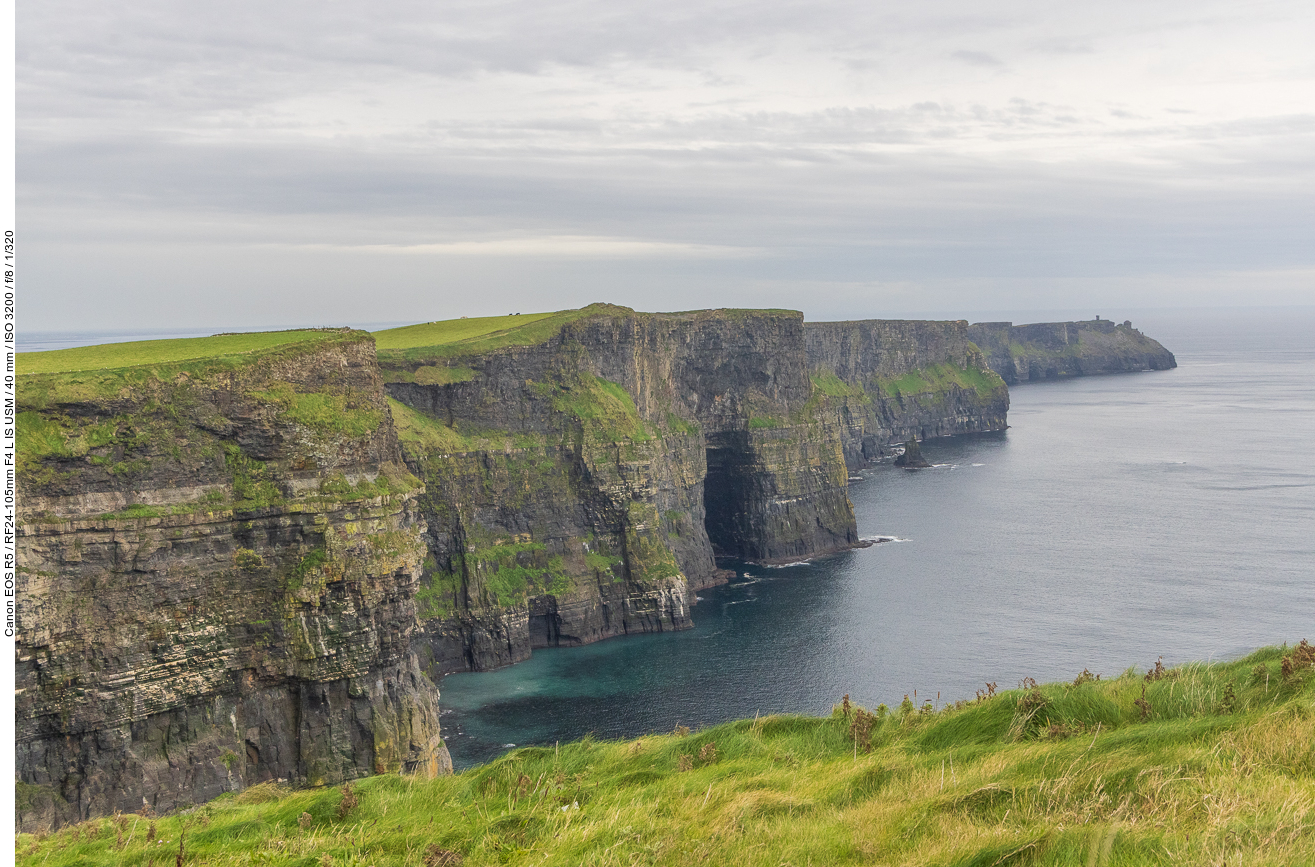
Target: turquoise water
[1120,519]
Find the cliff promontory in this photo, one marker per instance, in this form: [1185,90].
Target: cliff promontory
[1048,350]
[246,557]
[218,555]
[584,468]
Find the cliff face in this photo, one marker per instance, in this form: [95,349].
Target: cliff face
[1046,350]
[888,381]
[218,564]
[241,567]
[578,488]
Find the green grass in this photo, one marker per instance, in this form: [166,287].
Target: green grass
[678,425]
[457,337]
[831,385]
[129,408]
[453,330]
[1222,770]
[438,596]
[937,378]
[327,413]
[126,372]
[112,356]
[422,435]
[502,573]
[604,409]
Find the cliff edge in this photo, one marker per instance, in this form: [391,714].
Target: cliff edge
[1049,350]
[584,468]
[218,554]
[246,557]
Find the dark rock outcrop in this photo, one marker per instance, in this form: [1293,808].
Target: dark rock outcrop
[911,458]
[1048,350]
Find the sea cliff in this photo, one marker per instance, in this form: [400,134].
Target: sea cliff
[217,568]
[580,485]
[888,381]
[1049,350]
[245,558]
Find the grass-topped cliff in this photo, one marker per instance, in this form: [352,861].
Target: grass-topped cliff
[1200,764]
[207,351]
[217,563]
[469,336]
[237,552]
[1049,350]
[100,425]
[565,456]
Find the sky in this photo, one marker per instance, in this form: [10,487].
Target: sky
[256,164]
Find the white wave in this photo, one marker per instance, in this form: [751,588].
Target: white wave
[786,565]
[883,539]
[978,465]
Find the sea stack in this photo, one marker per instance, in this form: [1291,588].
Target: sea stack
[912,458]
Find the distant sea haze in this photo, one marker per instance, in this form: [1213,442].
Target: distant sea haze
[1120,519]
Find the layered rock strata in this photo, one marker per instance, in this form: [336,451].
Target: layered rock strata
[888,381]
[218,565]
[1048,350]
[579,487]
[242,568]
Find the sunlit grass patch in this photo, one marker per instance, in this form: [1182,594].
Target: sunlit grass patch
[452,330]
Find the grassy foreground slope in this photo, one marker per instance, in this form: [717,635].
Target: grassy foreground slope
[1203,764]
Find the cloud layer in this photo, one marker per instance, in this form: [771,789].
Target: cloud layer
[253,164]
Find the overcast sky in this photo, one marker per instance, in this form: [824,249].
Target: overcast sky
[256,164]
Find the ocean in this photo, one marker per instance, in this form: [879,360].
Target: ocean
[1119,520]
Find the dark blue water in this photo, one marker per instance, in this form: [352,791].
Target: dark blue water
[1120,519]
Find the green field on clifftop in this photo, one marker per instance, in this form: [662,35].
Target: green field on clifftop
[480,334]
[453,330]
[1195,765]
[112,356]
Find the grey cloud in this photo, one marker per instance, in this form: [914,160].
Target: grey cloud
[977,58]
[837,143]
